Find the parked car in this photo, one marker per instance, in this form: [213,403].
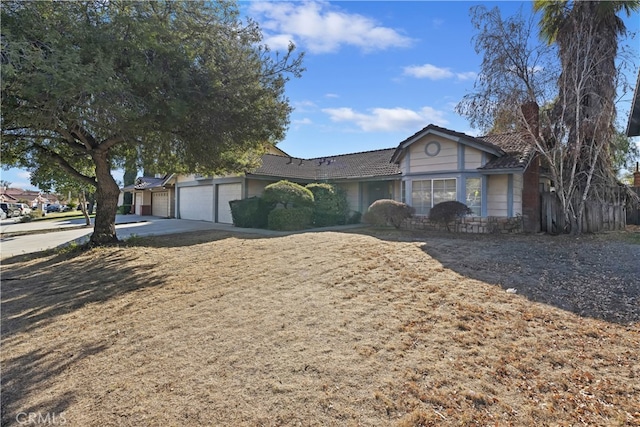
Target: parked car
[10,209]
[52,208]
[3,214]
[24,209]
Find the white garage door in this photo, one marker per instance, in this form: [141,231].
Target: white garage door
[227,193]
[196,203]
[160,204]
[138,203]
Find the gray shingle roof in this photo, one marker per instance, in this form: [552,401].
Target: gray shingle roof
[368,164]
[517,147]
[146,182]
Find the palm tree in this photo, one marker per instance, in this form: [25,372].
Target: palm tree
[586,33]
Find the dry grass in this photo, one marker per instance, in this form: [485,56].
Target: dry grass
[307,329]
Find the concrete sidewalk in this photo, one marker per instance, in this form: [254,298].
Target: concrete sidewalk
[61,233]
[14,226]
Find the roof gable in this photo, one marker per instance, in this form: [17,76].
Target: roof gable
[457,137]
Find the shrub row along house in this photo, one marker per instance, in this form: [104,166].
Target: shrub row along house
[497,176]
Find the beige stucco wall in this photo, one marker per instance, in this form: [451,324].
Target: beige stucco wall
[497,186]
[185,178]
[255,187]
[353,191]
[446,159]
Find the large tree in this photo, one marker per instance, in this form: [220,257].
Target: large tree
[573,131]
[185,85]
[587,35]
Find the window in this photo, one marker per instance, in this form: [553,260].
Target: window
[403,191]
[474,195]
[429,192]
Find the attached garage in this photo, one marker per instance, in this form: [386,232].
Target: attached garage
[138,201]
[196,202]
[227,193]
[160,204]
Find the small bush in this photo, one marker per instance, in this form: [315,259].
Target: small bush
[250,213]
[123,210]
[446,212]
[330,205]
[290,219]
[28,217]
[354,217]
[289,194]
[386,211]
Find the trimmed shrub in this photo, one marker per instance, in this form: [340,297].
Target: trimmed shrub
[289,194]
[330,205]
[446,212]
[290,219]
[250,213]
[386,211]
[354,217]
[122,210]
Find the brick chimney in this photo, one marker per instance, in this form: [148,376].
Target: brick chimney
[531,114]
[636,175]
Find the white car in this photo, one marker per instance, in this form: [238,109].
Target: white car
[24,209]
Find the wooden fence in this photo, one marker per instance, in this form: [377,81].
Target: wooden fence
[598,216]
[633,212]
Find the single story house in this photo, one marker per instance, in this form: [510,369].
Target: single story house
[497,176]
[152,196]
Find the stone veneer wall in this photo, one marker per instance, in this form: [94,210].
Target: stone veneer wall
[492,224]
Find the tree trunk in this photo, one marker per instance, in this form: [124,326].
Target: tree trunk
[83,208]
[107,191]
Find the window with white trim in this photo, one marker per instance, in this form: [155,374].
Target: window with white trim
[474,195]
[429,192]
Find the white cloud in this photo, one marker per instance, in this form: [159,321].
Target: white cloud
[469,75]
[304,106]
[388,119]
[428,71]
[24,175]
[437,23]
[331,95]
[305,121]
[432,72]
[322,28]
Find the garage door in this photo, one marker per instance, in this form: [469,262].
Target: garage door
[160,204]
[196,203]
[138,203]
[227,193]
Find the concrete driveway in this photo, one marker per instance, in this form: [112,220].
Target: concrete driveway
[42,235]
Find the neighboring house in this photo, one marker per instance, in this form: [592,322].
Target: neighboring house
[633,126]
[153,196]
[496,176]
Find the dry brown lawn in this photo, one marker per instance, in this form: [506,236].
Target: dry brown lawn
[370,328]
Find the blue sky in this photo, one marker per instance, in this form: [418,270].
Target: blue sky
[376,71]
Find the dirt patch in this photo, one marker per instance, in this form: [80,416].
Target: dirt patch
[326,329]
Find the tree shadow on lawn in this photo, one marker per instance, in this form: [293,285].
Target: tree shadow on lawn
[59,284]
[595,276]
[36,291]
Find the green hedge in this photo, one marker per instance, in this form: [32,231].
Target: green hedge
[250,213]
[123,210]
[290,219]
[289,194]
[330,205]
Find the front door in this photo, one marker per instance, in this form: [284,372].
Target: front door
[378,190]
